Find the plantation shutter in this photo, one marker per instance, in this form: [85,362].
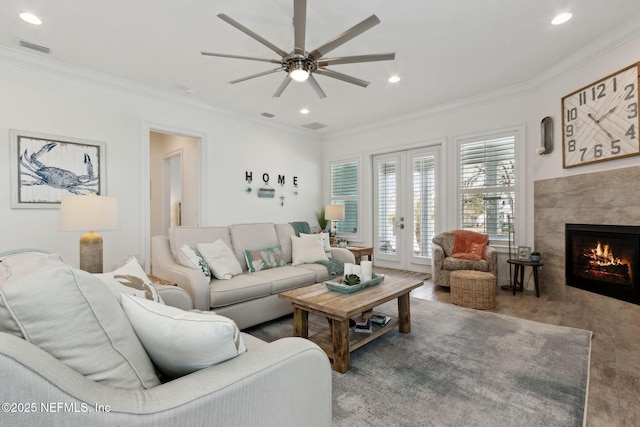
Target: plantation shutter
[424,191]
[387,175]
[487,185]
[344,191]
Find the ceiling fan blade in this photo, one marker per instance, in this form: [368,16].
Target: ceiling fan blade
[282,87]
[343,77]
[253,35]
[250,58]
[253,76]
[341,39]
[316,87]
[358,58]
[299,25]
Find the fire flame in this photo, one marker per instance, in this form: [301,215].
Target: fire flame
[602,255]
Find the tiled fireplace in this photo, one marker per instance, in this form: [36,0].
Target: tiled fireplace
[604,259]
[595,199]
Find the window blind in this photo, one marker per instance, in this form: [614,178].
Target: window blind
[344,191]
[387,176]
[487,185]
[423,204]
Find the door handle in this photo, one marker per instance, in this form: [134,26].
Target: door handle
[400,224]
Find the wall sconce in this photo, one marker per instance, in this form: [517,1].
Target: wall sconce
[546,136]
[89,213]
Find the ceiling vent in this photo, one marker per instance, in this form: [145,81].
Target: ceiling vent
[36,47]
[268,115]
[314,126]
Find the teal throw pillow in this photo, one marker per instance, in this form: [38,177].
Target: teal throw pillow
[264,258]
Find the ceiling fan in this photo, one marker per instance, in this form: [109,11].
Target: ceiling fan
[299,64]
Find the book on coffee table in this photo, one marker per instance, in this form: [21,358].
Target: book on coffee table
[380,319]
[363,326]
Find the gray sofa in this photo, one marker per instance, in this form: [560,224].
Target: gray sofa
[249,298]
[444,263]
[57,322]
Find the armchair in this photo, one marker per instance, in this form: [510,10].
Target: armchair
[444,263]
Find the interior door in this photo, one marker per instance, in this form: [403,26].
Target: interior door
[404,208]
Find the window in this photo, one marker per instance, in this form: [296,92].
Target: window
[344,191]
[487,185]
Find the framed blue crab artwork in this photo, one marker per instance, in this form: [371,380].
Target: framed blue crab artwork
[45,167]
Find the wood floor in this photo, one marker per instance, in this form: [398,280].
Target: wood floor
[614,384]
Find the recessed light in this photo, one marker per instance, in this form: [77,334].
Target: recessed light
[30,18]
[561,18]
[304,111]
[394,79]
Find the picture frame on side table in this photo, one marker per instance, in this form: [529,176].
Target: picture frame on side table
[46,167]
[524,253]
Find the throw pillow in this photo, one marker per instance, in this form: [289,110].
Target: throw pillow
[192,259]
[220,259]
[462,244]
[130,279]
[180,342]
[264,258]
[71,315]
[326,242]
[305,250]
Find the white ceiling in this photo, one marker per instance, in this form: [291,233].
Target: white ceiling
[446,51]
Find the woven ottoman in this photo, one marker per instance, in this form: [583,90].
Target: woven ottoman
[473,289]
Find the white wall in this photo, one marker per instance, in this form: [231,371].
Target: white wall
[524,106]
[58,103]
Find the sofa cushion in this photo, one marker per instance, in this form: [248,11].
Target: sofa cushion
[285,278]
[71,314]
[252,237]
[220,259]
[264,259]
[307,250]
[180,342]
[452,263]
[284,233]
[132,280]
[319,270]
[191,236]
[243,287]
[190,257]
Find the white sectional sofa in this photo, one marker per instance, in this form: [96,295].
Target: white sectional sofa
[70,355]
[247,298]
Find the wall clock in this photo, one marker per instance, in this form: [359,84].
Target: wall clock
[600,121]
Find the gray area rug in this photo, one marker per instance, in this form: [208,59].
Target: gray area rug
[460,367]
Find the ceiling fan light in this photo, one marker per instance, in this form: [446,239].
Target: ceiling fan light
[299,74]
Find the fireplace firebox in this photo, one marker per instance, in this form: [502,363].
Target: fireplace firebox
[604,259]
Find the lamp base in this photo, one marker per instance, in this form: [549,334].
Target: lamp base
[91,252]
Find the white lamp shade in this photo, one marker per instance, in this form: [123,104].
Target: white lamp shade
[334,212]
[88,213]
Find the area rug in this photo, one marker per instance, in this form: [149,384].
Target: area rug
[461,367]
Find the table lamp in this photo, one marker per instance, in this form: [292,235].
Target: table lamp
[334,213]
[89,213]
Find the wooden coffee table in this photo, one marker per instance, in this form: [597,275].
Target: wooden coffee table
[338,308]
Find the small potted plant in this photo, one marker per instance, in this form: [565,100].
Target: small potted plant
[322,221]
[535,256]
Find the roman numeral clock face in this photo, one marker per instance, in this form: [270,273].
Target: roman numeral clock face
[600,121]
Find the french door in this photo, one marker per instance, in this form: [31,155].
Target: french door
[404,207]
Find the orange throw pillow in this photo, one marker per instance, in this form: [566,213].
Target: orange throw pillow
[469,245]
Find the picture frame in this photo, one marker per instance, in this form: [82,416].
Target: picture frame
[524,253]
[46,167]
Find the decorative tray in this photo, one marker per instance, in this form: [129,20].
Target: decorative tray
[339,286]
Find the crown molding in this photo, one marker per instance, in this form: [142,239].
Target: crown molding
[580,58]
[44,64]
